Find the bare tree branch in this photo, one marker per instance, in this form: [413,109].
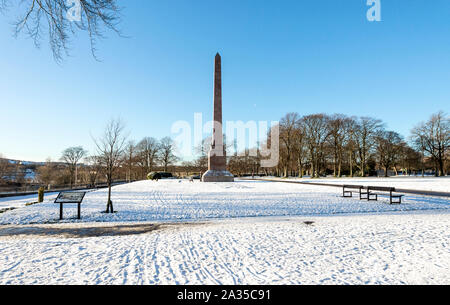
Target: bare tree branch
[95,16]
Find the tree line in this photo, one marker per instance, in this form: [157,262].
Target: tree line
[116,156]
[319,144]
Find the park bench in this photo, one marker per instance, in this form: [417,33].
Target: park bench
[369,195]
[346,193]
[69,197]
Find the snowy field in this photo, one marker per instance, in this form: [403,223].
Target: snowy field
[178,232]
[181,200]
[436,184]
[361,249]
[20,201]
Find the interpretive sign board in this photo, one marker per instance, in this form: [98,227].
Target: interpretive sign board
[70,197]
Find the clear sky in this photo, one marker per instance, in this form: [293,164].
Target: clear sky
[307,56]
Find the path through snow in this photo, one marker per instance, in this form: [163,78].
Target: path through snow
[369,249]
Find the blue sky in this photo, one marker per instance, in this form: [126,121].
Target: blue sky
[277,56]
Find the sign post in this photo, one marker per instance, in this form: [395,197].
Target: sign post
[69,197]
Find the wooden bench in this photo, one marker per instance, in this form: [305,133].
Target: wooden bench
[348,194]
[369,195]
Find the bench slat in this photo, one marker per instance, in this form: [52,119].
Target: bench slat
[381,188]
[349,186]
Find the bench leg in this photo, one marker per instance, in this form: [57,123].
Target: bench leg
[361,195]
[347,194]
[79,211]
[60,211]
[373,195]
[396,202]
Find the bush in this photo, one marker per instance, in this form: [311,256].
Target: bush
[154,175]
[41,194]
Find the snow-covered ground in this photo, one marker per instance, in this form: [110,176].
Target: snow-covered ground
[178,232]
[20,201]
[359,249]
[178,200]
[436,184]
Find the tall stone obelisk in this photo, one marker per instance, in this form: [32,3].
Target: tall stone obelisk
[217,162]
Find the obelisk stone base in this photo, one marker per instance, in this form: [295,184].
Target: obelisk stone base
[217,176]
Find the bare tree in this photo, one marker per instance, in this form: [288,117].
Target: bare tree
[389,148]
[72,156]
[288,133]
[338,128]
[201,150]
[147,154]
[61,19]
[317,133]
[418,140]
[365,132]
[433,138]
[94,168]
[188,167]
[130,151]
[167,155]
[46,173]
[245,162]
[110,149]
[349,144]
[300,148]
[4,167]
[410,159]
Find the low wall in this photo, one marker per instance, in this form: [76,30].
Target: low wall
[15,194]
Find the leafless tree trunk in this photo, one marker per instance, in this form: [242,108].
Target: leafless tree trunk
[365,131]
[288,127]
[130,156]
[72,156]
[147,152]
[110,149]
[4,167]
[433,137]
[389,146]
[167,152]
[94,169]
[317,133]
[337,128]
